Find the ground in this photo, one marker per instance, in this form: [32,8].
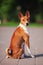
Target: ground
[36,43]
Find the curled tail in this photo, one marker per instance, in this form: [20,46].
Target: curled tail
[9,52]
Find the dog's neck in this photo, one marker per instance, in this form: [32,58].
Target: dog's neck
[24,27]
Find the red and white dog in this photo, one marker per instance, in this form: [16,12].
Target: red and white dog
[19,36]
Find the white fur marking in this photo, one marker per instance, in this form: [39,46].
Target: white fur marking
[29,52]
[7,56]
[24,27]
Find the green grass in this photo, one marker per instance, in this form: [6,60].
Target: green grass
[35,25]
[9,24]
[15,24]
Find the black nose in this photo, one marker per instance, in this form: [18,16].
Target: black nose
[27,24]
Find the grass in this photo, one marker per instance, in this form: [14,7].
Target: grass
[9,24]
[35,25]
[15,24]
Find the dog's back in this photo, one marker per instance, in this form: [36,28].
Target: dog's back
[17,39]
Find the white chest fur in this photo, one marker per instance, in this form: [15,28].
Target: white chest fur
[24,27]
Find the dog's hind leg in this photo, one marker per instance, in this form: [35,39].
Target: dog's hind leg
[18,54]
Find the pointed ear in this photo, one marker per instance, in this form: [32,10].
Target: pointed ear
[20,15]
[27,13]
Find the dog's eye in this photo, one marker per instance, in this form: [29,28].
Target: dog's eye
[23,20]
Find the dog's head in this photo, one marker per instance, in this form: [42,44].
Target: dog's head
[24,19]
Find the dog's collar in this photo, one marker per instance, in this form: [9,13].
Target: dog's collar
[24,27]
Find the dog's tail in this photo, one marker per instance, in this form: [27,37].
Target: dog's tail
[9,52]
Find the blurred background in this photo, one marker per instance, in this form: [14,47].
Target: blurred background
[9,10]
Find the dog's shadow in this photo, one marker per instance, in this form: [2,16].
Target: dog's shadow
[35,56]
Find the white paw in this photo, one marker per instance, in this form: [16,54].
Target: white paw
[32,56]
[7,57]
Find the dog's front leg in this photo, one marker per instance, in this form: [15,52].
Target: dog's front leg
[28,49]
[27,43]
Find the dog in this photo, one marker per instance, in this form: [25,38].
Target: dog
[19,37]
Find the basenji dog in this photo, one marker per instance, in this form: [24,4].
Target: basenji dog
[19,37]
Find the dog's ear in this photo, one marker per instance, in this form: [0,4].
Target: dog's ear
[27,13]
[20,15]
